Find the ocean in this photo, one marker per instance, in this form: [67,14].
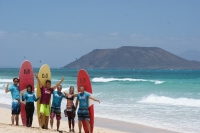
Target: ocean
[168,99]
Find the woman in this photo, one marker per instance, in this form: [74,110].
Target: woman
[70,108]
[29,96]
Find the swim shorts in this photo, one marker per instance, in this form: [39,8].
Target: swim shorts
[83,114]
[15,107]
[57,112]
[44,109]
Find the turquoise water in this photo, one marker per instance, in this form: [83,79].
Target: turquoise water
[168,99]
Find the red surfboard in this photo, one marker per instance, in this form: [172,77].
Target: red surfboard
[26,76]
[83,79]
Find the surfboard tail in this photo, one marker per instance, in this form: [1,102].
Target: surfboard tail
[91,112]
[23,114]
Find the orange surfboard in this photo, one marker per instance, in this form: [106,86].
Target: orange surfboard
[83,79]
[26,76]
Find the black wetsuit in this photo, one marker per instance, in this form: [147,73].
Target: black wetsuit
[29,113]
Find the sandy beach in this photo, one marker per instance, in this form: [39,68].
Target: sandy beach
[6,127]
[101,125]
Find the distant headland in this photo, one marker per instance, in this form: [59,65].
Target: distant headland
[130,57]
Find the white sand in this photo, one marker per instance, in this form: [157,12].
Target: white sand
[6,127]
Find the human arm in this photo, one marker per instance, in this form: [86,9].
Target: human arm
[77,101]
[23,96]
[94,99]
[58,83]
[38,80]
[6,90]
[36,99]
[65,93]
[75,95]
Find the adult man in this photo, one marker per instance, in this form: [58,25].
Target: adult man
[14,89]
[46,92]
[55,107]
[83,113]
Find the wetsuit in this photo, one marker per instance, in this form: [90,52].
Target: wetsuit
[30,98]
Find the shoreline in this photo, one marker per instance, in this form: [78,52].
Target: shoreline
[110,124]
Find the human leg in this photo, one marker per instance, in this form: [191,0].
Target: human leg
[15,112]
[58,117]
[72,121]
[58,125]
[27,115]
[85,114]
[13,119]
[46,113]
[46,122]
[17,119]
[80,118]
[51,119]
[41,115]
[52,115]
[69,115]
[73,117]
[79,125]
[40,120]
[31,114]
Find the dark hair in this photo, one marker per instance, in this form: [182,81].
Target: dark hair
[70,88]
[60,86]
[29,86]
[15,78]
[48,81]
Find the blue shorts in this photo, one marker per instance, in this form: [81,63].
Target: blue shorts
[15,107]
[83,114]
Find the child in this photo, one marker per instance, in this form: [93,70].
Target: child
[29,96]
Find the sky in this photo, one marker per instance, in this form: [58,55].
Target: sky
[58,32]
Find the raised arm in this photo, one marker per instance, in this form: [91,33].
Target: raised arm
[6,90]
[38,80]
[58,83]
[94,99]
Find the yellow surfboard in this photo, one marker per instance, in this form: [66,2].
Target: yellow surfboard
[44,74]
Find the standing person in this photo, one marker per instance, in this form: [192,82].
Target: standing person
[14,89]
[83,113]
[70,108]
[55,107]
[46,92]
[29,96]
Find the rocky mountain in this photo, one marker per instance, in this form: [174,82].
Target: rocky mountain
[129,57]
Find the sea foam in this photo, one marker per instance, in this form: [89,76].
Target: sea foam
[6,80]
[102,79]
[154,99]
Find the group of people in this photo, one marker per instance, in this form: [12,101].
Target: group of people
[55,110]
